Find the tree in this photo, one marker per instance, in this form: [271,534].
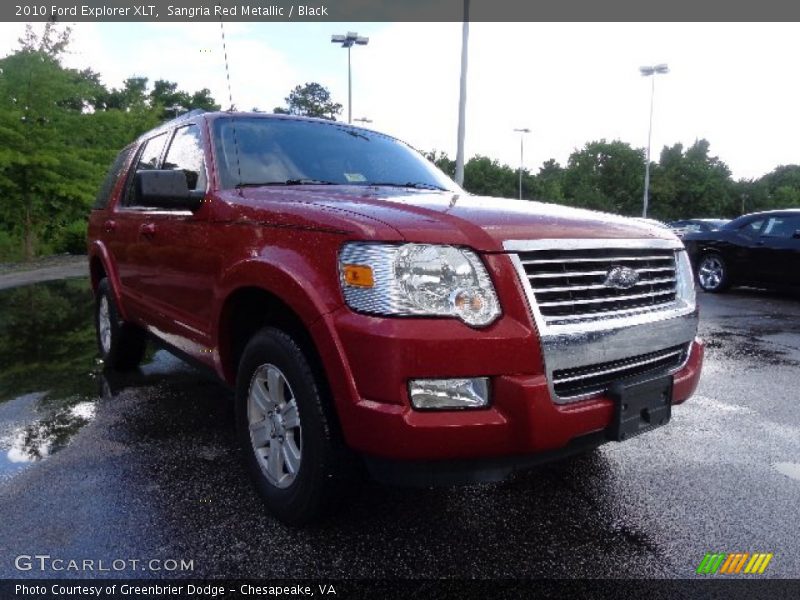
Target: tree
[443,162]
[43,172]
[780,188]
[605,176]
[548,184]
[310,100]
[485,176]
[170,101]
[692,183]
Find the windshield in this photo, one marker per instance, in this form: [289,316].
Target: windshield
[254,151]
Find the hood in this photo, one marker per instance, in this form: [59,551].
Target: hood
[480,222]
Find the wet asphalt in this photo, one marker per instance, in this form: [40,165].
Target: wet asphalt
[145,466]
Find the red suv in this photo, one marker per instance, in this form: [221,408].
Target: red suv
[371,313]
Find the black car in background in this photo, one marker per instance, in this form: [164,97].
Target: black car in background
[686,226]
[760,249]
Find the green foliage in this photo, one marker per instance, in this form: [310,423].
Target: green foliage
[605,176]
[609,176]
[60,130]
[310,100]
[485,176]
[443,162]
[71,239]
[690,183]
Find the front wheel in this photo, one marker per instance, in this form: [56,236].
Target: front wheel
[712,273]
[285,427]
[122,345]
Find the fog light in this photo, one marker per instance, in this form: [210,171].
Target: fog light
[448,394]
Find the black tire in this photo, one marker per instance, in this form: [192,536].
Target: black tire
[124,348]
[713,274]
[326,467]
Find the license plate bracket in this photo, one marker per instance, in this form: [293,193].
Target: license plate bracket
[640,406]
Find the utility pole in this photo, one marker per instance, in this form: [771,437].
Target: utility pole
[462,101]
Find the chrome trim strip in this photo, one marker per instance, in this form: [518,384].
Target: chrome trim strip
[590,244]
[609,315]
[590,273]
[545,261]
[609,299]
[599,286]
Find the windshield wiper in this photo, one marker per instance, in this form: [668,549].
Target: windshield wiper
[287,182]
[418,185]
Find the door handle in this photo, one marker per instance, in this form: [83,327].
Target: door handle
[110,226]
[148,230]
[760,243]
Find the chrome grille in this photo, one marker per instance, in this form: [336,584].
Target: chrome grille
[596,378]
[569,284]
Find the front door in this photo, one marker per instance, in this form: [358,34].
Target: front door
[178,280]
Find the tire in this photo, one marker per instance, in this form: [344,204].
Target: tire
[713,274]
[122,345]
[292,446]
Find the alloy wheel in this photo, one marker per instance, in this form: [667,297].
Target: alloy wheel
[274,423]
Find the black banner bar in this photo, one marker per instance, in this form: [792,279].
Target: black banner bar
[397,10]
[711,588]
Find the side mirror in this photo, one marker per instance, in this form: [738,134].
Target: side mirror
[166,189]
[796,234]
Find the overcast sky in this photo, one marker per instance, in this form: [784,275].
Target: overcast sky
[734,84]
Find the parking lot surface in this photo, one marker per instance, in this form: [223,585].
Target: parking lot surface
[146,467]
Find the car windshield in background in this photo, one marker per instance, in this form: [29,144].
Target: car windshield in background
[254,151]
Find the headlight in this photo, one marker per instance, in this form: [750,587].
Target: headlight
[417,279]
[684,276]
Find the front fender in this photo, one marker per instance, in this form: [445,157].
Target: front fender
[99,252]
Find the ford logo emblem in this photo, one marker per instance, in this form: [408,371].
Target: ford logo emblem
[621,278]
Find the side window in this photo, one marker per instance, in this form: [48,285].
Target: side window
[186,154]
[110,182]
[781,227]
[147,160]
[752,228]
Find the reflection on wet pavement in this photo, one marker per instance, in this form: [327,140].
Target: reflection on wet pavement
[51,378]
[48,383]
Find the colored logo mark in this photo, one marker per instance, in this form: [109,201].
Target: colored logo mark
[734,563]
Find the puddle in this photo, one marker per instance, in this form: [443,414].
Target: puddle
[751,347]
[789,469]
[49,374]
[50,377]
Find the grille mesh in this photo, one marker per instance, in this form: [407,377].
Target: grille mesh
[569,285]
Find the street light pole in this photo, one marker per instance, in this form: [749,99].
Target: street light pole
[347,41]
[522,132]
[650,72]
[462,99]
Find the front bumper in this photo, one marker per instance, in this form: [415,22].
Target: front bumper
[372,359]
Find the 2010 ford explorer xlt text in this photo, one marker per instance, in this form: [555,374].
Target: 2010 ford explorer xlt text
[371,313]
